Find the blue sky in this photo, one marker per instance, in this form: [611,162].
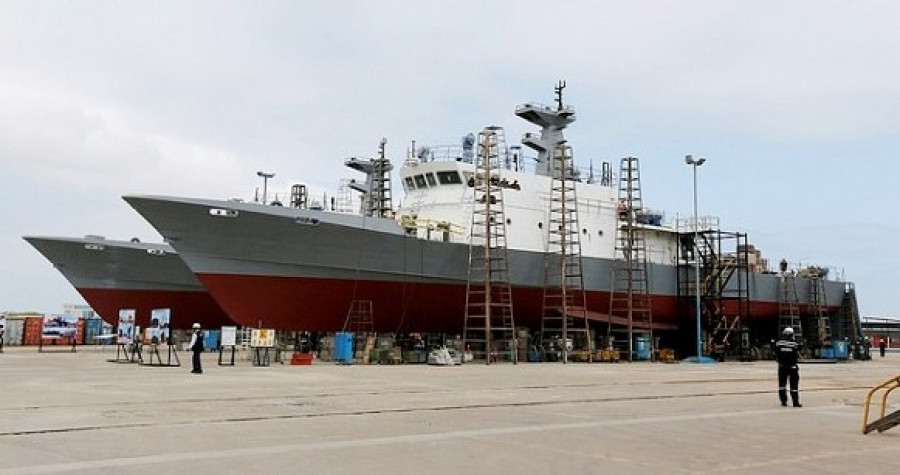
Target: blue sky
[794,104]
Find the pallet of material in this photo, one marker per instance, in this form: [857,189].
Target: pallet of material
[607,356]
[667,355]
[581,356]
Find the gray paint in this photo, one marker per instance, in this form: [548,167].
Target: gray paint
[266,240]
[110,264]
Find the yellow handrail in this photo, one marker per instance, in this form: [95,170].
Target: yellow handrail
[895,383]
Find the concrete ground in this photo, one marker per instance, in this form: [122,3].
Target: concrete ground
[77,413]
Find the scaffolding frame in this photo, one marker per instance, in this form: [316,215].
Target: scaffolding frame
[724,266]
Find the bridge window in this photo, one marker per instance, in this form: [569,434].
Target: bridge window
[409,184]
[431,180]
[420,181]
[448,178]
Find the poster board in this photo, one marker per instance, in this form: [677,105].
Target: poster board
[262,338]
[229,341]
[160,323]
[59,326]
[229,336]
[125,329]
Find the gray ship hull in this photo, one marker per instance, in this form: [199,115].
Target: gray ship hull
[113,275]
[299,269]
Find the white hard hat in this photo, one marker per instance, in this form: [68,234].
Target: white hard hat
[196,326]
[788,331]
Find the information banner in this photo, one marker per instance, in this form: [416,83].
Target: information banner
[229,336]
[262,338]
[59,326]
[125,330]
[160,319]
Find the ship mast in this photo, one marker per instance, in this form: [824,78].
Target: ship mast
[552,122]
[564,324]
[376,190]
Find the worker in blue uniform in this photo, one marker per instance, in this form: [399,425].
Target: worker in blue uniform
[787,352]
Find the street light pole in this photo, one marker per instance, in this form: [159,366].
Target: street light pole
[694,164]
[265,176]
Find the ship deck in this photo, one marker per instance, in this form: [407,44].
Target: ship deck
[78,413]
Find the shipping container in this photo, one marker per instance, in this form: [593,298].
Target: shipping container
[93,327]
[33,334]
[79,335]
[15,330]
[33,328]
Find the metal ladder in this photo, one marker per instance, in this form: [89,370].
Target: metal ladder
[564,324]
[789,308]
[630,297]
[361,322]
[820,324]
[360,317]
[489,329]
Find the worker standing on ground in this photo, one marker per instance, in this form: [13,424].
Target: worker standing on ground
[787,351]
[196,346]
[881,346]
[2,330]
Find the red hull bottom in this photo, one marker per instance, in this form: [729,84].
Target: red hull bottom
[187,307]
[295,304]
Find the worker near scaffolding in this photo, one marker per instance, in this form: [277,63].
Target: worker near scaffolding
[787,351]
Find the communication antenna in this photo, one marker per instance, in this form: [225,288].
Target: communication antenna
[559,94]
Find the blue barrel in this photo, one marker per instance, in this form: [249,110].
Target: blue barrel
[642,348]
[841,350]
[211,339]
[827,352]
[343,347]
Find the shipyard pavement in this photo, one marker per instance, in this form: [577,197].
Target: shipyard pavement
[77,413]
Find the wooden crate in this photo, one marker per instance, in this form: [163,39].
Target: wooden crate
[667,355]
[581,356]
[607,356]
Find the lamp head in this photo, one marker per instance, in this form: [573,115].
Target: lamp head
[689,159]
